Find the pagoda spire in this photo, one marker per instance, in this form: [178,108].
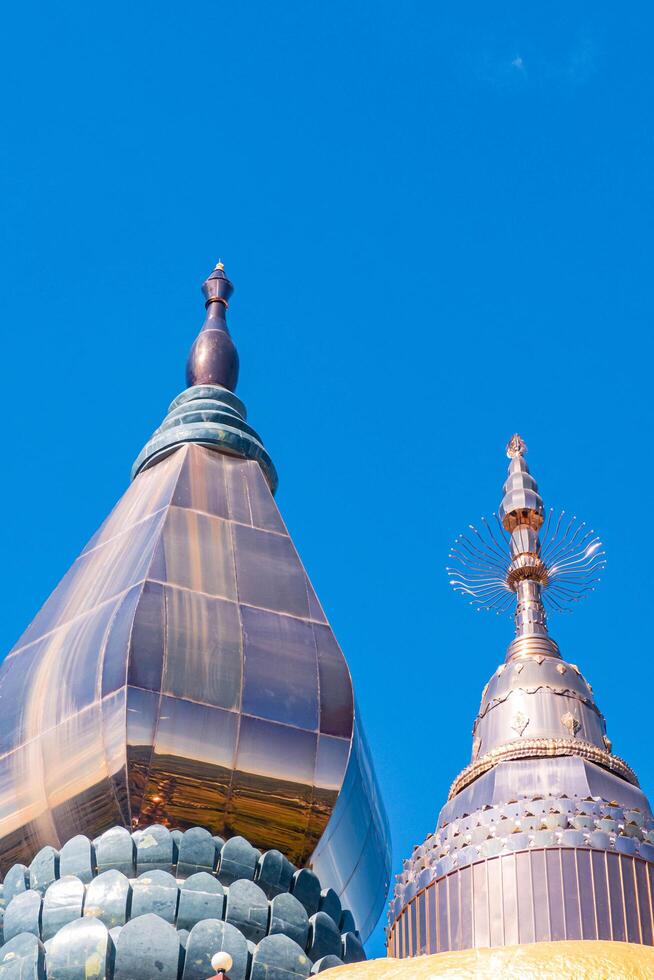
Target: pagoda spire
[521,514]
[524,557]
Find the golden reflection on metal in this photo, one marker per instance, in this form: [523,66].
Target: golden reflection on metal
[124,701]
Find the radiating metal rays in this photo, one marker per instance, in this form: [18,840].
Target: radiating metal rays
[573,557]
[480,566]
[570,551]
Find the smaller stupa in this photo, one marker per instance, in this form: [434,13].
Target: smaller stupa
[546,834]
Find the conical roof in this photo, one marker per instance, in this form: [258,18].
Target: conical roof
[184,673]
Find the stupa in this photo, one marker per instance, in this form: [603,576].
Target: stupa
[546,836]
[183,769]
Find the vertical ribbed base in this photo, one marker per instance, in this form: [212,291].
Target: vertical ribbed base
[530,896]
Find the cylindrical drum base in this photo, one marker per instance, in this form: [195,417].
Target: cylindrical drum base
[530,896]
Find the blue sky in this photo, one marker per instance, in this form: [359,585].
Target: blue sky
[439,225]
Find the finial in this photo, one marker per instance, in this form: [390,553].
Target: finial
[213,359]
[521,557]
[516,446]
[208,412]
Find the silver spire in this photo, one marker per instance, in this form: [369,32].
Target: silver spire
[526,560]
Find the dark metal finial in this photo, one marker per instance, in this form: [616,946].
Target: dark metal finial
[213,359]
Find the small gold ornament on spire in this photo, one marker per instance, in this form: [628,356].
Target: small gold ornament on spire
[220,265]
[516,446]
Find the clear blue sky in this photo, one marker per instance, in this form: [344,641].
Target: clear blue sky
[439,225]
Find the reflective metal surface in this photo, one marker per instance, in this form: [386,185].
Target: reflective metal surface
[530,896]
[536,705]
[535,697]
[354,849]
[184,673]
[560,802]
[213,359]
[522,558]
[546,834]
[529,779]
[208,413]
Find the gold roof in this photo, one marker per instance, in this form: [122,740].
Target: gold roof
[581,959]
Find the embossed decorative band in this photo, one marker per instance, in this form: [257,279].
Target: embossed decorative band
[529,748]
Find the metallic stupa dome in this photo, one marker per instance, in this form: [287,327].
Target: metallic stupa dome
[183,675]
[546,834]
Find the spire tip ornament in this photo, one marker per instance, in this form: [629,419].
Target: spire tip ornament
[516,446]
[213,359]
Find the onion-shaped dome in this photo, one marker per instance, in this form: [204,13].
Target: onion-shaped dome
[183,672]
